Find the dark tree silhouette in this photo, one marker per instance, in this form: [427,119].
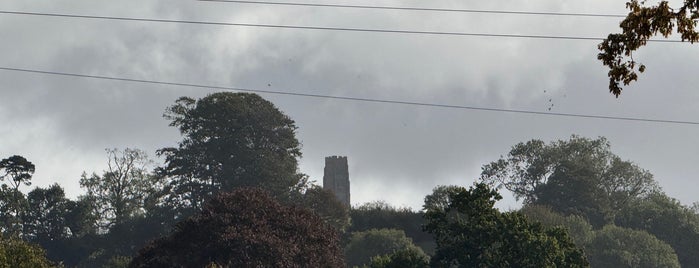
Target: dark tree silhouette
[18,170]
[246,228]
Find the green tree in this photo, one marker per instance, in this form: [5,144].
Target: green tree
[579,229]
[16,253]
[364,245]
[405,258]
[615,246]
[45,217]
[80,217]
[324,203]
[17,170]
[574,189]
[230,140]
[66,229]
[13,204]
[440,197]
[46,222]
[381,215]
[471,232]
[669,221]
[246,228]
[638,27]
[125,239]
[120,192]
[577,176]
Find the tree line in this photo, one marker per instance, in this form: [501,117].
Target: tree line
[230,194]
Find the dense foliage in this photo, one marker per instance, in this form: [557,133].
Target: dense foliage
[471,232]
[580,176]
[615,246]
[15,253]
[577,227]
[669,221]
[246,228]
[230,140]
[380,215]
[364,245]
[324,203]
[405,258]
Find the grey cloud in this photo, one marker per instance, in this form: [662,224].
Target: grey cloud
[398,153]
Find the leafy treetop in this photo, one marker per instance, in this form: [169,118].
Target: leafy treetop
[638,27]
[18,170]
[578,176]
[230,140]
[471,232]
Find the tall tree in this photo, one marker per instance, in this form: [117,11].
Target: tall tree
[120,192]
[471,232]
[577,176]
[230,140]
[18,170]
[246,228]
[642,23]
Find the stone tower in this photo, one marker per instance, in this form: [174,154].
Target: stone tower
[336,178]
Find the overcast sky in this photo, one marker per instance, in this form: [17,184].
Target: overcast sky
[396,153]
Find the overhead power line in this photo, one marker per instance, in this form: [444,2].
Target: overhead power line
[347,98]
[418,8]
[317,27]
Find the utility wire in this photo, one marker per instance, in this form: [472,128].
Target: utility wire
[417,8]
[346,98]
[317,27]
